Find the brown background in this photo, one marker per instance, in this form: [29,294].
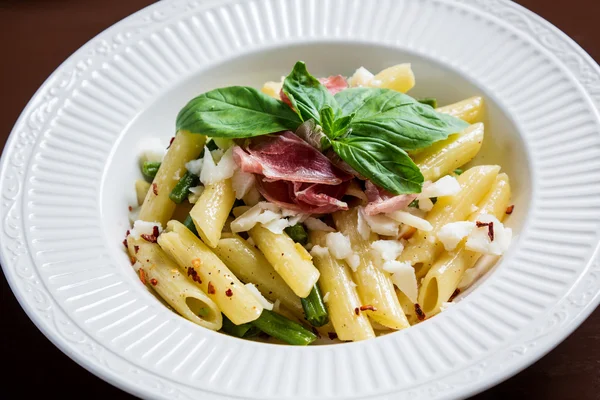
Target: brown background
[36,36]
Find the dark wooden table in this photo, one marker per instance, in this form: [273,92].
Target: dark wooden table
[37,35]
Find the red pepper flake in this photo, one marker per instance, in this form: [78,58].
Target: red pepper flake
[510,209]
[229,293]
[357,311]
[155,189]
[332,335]
[136,248]
[490,226]
[142,275]
[154,282]
[127,233]
[170,142]
[211,288]
[419,312]
[367,307]
[155,231]
[132,260]
[148,238]
[454,294]
[125,243]
[130,208]
[193,274]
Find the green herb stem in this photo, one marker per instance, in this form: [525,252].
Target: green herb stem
[284,329]
[314,308]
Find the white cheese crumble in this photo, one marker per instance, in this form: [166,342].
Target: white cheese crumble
[277,225]
[241,183]
[411,220]
[380,224]
[452,233]
[261,299]
[339,245]
[319,251]
[195,166]
[315,224]
[263,212]
[362,77]
[215,172]
[403,276]
[387,249]
[480,241]
[144,228]
[445,186]
[326,297]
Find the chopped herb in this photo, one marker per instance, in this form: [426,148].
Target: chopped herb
[458,171]
[297,233]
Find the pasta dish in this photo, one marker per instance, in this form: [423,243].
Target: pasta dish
[318,209]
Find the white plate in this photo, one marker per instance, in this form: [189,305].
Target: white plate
[68,168]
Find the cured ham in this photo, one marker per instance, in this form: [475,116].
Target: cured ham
[287,157]
[293,174]
[305,198]
[381,201]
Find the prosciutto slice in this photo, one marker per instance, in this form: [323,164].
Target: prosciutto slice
[287,157]
[306,198]
[382,201]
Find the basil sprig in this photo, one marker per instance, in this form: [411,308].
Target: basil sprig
[369,128]
[236,112]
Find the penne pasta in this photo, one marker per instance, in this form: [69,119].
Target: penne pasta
[161,273]
[445,156]
[157,206]
[141,190]
[442,279]
[398,77]
[251,266]
[211,211]
[374,285]
[424,247]
[290,260]
[469,110]
[343,299]
[209,272]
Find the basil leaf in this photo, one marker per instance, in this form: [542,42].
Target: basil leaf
[236,112]
[307,95]
[396,118]
[430,101]
[327,120]
[385,165]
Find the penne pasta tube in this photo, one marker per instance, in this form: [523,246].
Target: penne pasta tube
[424,247]
[211,275]
[374,285]
[442,279]
[469,110]
[161,273]
[445,156]
[141,190]
[251,266]
[211,211]
[157,206]
[290,260]
[398,77]
[343,298]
